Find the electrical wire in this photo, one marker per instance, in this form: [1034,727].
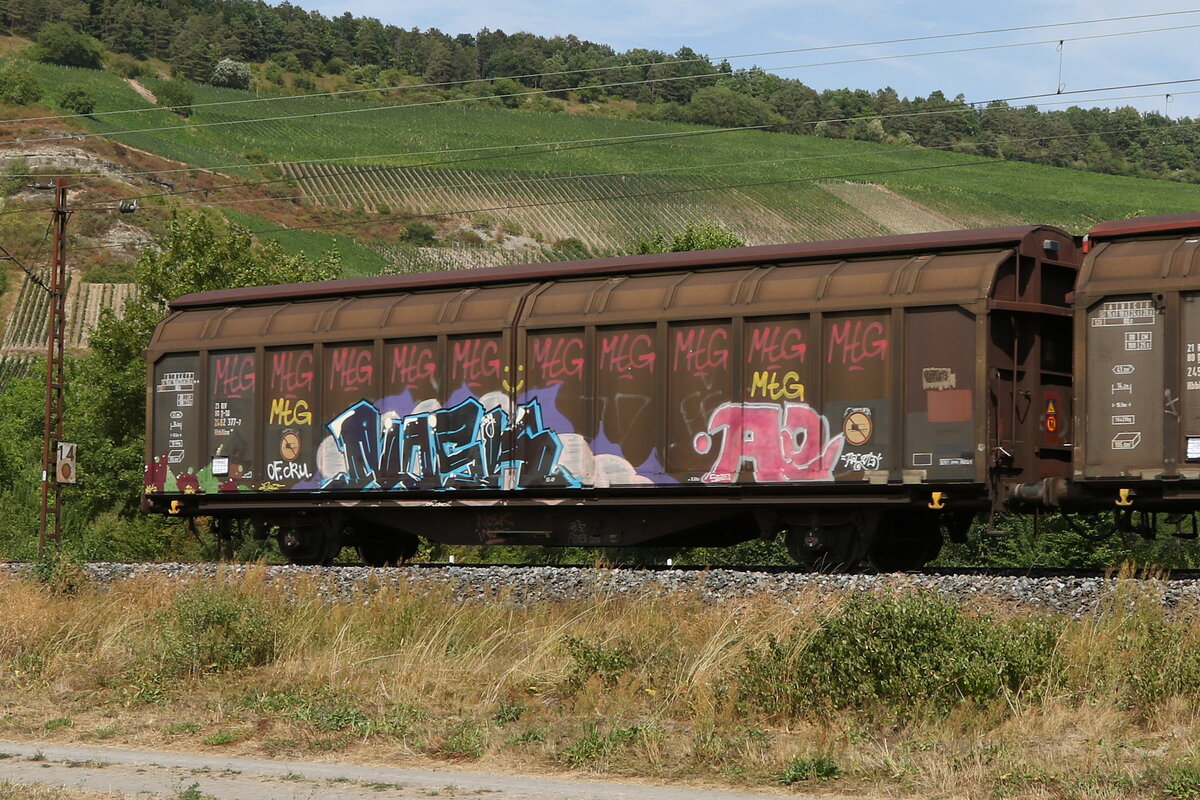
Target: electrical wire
[636,195]
[583,145]
[626,173]
[443,84]
[967,106]
[616,84]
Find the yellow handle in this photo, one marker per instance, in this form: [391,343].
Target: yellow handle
[1123,497]
[937,503]
[176,507]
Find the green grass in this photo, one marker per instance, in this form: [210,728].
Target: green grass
[357,260]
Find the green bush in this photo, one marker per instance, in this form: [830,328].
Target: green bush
[215,628]
[77,99]
[702,236]
[176,96]
[899,655]
[419,233]
[608,661]
[803,769]
[129,67]
[59,43]
[18,86]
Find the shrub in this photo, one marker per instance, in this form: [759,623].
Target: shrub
[176,96]
[571,248]
[12,180]
[608,661]
[803,769]
[418,233]
[900,655]
[18,86]
[59,43]
[77,99]
[702,236]
[129,67]
[230,73]
[215,629]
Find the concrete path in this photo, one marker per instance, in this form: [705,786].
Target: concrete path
[171,775]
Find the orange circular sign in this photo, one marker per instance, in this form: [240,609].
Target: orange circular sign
[1052,423]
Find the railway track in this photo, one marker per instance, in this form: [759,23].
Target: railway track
[1074,593]
[1046,573]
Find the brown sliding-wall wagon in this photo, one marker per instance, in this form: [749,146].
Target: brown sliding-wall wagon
[859,395]
[1137,353]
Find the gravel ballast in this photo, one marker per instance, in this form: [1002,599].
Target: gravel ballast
[1075,596]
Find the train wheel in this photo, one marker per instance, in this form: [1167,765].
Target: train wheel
[390,550]
[905,542]
[825,548]
[316,543]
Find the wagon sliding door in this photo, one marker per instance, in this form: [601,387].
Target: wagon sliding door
[1125,357]
[553,408]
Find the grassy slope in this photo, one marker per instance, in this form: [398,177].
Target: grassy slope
[994,192]
[357,260]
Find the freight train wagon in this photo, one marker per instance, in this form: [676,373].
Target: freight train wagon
[1137,371]
[860,396]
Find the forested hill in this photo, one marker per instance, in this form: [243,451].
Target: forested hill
[288,49]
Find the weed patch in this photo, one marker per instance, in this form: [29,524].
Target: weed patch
[210,629]
[1183,782]
[902,655]
[596,747]
[607,661]
[803,769]
[466,740]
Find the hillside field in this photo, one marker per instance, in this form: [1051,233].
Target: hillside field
[599,179]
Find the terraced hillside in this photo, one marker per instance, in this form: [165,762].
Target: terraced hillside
[24,338]
[505,186]
[602,179]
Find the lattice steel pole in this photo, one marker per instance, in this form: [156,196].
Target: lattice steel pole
[55,334]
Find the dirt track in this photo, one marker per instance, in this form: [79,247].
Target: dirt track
[168,775]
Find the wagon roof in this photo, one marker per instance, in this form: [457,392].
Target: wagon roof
[1140,226]
[765,254]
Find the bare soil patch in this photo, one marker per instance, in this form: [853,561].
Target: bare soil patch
[142,90]
[897,213]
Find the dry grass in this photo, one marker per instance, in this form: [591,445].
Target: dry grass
[14,790]
[661,688]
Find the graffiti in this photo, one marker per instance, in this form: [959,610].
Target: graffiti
[858,462]
[854,341]
[350,368]
[287,471]
[626,353]
[772,345]
[412,364]
[699,350]
[464,446]
[233,375]
[938,379]
[290,412]
[557,358]
[488,524]
[768,384]
[788,442]
[511,385]
[474,360]
[291,372]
